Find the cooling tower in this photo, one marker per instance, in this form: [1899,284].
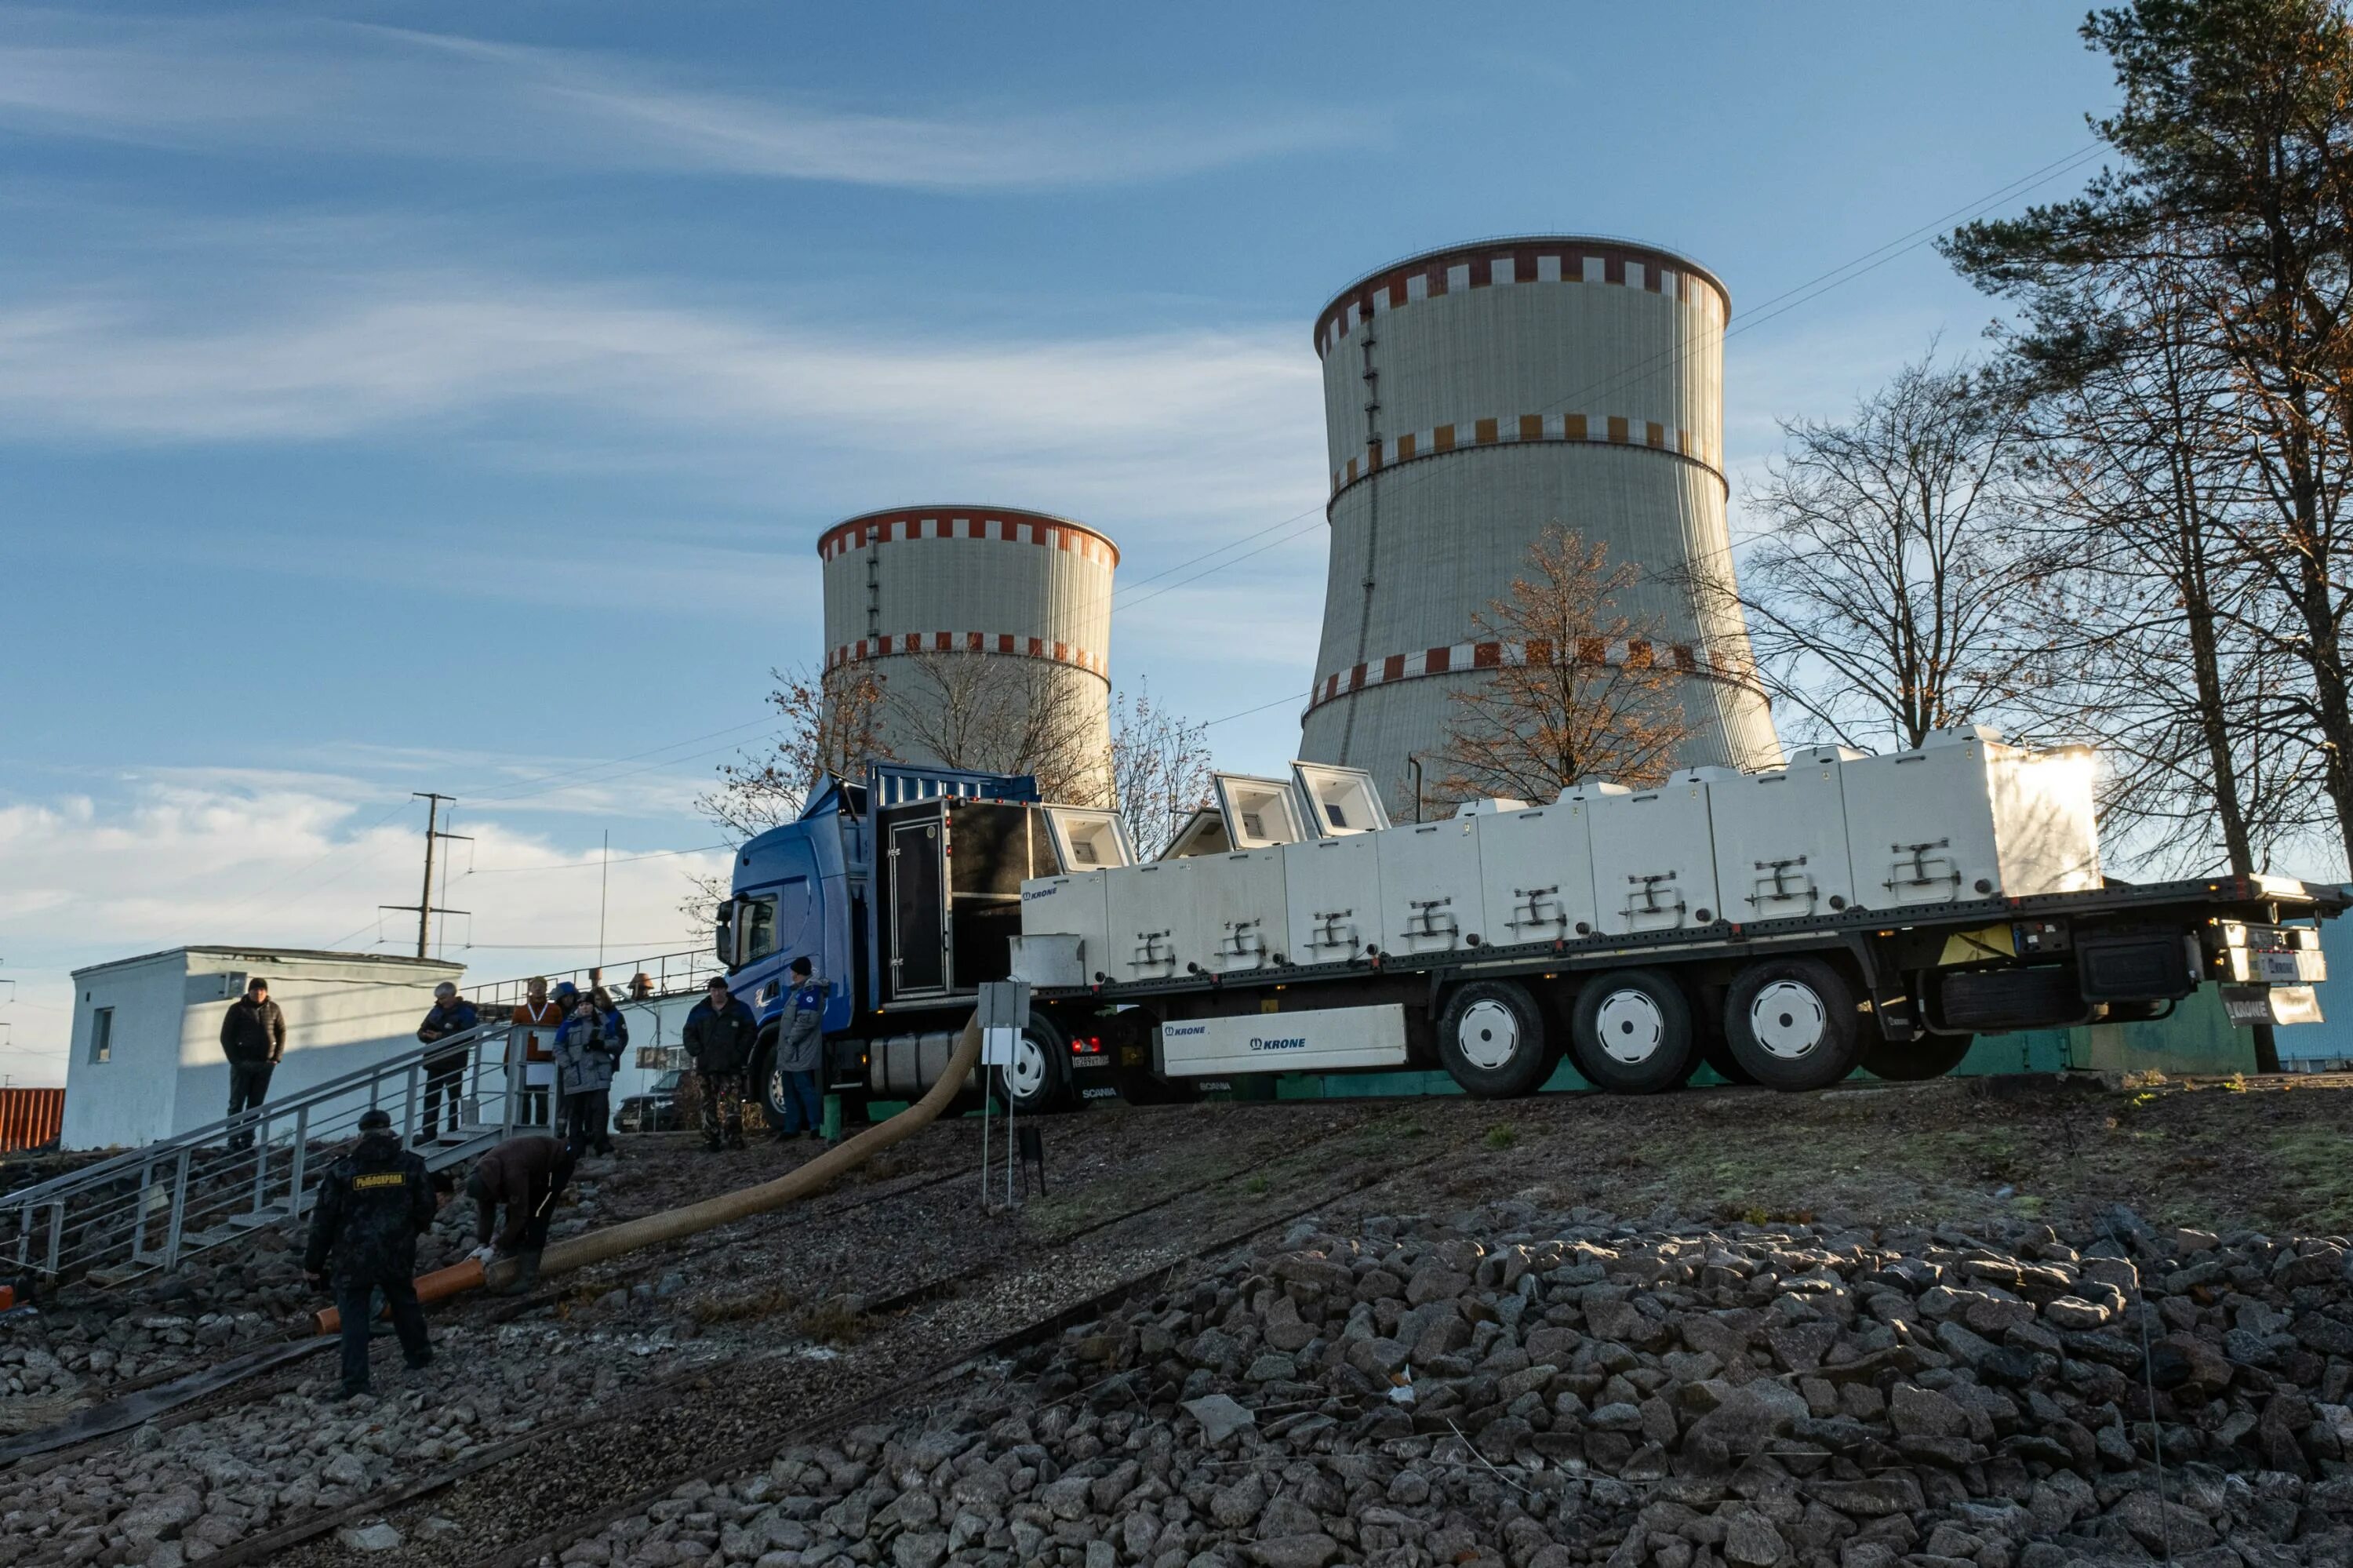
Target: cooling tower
[1474,398]
[988,633]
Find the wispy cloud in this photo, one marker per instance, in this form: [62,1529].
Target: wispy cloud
[1237,410]
[269,87]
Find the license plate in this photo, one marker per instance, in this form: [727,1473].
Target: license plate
[2298,968]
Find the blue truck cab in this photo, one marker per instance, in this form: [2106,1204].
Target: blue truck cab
[901,889]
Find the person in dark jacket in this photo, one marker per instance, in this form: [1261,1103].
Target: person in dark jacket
[525,1176]
[444,1075]
[721,1036]
[588,1049]
[800,1050]
[253,1038]
[372,1205]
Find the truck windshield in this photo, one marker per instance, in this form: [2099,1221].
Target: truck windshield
[755,926]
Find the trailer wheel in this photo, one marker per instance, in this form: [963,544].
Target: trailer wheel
[1715,1050]
[1916,1061]
[1039,1078]
[1792,1022]
[1631,1032]
[1491,1040]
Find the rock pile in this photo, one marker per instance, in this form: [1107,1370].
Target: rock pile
[167,1497]
[87,1342]
[1495,1390]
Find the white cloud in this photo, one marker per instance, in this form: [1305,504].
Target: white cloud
[245,84]
[291,860]
[402,349]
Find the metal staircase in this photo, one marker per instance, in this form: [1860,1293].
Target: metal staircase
[153,1208]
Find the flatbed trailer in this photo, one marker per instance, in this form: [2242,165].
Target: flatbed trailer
[1901,995]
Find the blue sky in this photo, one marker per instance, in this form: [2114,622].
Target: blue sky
[438,397]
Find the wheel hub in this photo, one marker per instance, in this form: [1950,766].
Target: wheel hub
[1631,1026]
[1787,1020]
[1026,1075]
[1488,1036]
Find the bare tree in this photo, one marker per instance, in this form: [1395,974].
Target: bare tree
[1881,592]
[828,724]
[2149,609]
[1581,689]
[1160,769]
[1000,713]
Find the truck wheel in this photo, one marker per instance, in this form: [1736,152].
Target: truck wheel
[1631,1033]
[1039,1078]
[1917,1061]
[1792,1022]
[1715,1051]
[1491,1040]
[769,1085]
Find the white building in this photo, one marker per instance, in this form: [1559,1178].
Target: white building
[146,1059]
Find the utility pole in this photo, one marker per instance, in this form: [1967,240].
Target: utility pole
[425,907]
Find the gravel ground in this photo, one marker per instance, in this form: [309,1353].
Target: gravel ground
[630,1378]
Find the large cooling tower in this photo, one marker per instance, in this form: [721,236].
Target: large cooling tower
[988,631]
[1475,397]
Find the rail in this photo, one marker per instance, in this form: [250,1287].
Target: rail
[154,1207]
[637,980]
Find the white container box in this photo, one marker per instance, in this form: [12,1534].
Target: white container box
[1780,838]
[1968,817]
[1071,905]
[1332,889]
[1236,919]
[1149,921]
[1430,896]
[1535,873]
[1654,857]
[1283,1042]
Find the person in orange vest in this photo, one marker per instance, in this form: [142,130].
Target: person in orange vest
[537,1018]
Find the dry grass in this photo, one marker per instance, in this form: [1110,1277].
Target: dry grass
[835,1320]
[747,1306]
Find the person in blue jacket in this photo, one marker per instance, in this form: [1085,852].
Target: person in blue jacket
[800,1046]
[588,1049]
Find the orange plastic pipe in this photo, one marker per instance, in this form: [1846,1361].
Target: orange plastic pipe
[801,1181]
[432,1286]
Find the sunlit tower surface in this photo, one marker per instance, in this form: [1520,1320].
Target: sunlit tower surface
[915,593]
[1475,397]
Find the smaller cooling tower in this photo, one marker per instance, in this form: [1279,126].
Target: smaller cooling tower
[988,629]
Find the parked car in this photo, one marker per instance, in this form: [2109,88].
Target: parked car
[656,1110]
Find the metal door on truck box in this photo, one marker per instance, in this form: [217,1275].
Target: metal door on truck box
[918,927]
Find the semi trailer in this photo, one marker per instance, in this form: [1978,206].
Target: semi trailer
[1786,927]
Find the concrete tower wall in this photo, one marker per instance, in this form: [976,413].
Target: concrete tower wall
[1016,598]
[1517,384]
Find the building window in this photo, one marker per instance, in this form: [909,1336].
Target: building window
[102,1034]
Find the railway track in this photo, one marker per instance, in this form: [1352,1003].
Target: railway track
[525,1499]
[140,1405]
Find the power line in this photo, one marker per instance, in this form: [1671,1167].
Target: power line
[578,864]
[1789,298]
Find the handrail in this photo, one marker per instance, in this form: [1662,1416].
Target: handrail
[669,974]
[153,1207]
[359,1078]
